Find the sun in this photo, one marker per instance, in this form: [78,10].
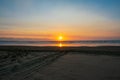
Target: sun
[60,38]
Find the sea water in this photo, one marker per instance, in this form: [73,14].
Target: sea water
[63,43]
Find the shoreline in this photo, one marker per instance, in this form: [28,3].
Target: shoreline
[107,50]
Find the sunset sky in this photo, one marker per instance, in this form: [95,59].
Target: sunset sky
[48,19]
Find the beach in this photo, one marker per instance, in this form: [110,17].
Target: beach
[59,63]
[59,39]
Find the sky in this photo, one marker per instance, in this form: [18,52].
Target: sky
[48,19]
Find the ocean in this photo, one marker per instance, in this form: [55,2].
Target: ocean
[63,43]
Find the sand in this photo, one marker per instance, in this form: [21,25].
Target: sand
[81,67]
[55,63]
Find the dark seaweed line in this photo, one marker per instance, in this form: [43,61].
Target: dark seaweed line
[99,52]
[47,60]
[110,53]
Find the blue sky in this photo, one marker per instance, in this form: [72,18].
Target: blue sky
[48,17]
[18,6]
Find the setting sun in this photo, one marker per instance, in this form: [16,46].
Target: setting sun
[60,38]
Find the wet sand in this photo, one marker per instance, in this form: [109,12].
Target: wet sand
[55,63]
[81,67]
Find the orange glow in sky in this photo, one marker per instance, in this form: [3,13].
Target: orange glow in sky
[59,20]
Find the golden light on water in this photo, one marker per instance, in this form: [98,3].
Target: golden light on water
[60,45]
